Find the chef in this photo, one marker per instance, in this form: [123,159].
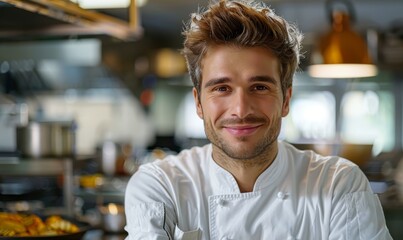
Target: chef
[247,184]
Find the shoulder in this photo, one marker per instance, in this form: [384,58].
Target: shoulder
[314,160]
[155,191]
[157,181]
[165,172]
[187,160]
[334,170]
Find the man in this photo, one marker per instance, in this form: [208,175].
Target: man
[246,184]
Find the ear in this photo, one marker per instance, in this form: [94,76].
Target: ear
[286,103]
[199,108]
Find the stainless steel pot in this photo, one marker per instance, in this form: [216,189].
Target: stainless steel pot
[46,139]
[113,218]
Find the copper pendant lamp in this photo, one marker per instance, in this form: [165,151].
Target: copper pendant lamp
[341,53]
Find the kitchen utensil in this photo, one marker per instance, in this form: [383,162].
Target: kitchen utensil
[107,154]
[113,217]
[112,157]
[46,139]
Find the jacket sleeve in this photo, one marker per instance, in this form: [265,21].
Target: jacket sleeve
[148,206]
[356,211]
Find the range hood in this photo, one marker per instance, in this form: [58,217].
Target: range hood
[27,19]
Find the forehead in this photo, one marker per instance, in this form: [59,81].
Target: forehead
[239,62]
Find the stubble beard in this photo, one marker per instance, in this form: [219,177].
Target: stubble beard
[247,154]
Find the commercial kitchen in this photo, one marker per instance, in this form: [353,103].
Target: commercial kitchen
[90,91]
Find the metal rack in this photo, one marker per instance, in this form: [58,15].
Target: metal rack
[12,166]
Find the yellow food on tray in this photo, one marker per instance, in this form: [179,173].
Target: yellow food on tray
[15,224]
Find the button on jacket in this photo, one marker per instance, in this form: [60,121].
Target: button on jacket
[302,195]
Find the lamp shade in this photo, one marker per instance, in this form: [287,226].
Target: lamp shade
[342,53]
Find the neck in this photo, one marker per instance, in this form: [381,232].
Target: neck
[246,171]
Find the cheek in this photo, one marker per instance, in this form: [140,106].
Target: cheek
[272,110]
[213,109]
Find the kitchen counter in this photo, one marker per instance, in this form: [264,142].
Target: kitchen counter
[99,234]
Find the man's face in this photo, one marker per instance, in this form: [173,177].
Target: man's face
[241,100]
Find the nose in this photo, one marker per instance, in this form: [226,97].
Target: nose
[242,104]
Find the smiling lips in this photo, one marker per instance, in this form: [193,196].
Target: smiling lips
[242,131]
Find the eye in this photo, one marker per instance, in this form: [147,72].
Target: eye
[221,89]
[260,88]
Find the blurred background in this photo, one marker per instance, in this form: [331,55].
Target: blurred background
[90,90]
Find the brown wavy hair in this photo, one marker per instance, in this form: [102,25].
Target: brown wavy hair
[244,24]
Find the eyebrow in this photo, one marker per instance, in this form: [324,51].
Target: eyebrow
[216,81]
[264,78]
[222,80]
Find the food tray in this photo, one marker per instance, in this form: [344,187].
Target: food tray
[84,227]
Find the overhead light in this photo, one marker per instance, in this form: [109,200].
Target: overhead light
[105,4]
[342,70]
[342,53]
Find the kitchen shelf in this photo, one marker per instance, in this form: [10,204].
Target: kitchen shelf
[100,197]
[13,166]
[112,189]
[34,167]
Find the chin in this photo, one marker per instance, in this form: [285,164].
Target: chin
[242,152]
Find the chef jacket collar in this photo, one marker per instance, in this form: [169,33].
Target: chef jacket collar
[224,183]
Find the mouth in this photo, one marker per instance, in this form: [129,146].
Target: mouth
[241,131]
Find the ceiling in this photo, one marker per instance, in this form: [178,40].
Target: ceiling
[164,19]
[310,15]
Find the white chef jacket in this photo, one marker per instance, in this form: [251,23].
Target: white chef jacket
[302,195]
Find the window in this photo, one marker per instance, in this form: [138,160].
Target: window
[352,111]
[311,117]
[368,117]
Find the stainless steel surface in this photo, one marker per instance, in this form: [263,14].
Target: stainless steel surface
[68,187]
[46,139]
[26,167]
[113,218]
[107,154]
[112,189]
[12,113]
[44,167]
[24,206]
